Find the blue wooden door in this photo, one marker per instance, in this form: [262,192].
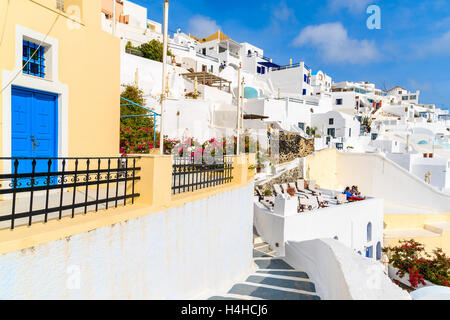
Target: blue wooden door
[34,120]
[369,252]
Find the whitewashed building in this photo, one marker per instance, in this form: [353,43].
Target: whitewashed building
[403,95]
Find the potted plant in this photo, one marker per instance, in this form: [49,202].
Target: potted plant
[259,168]
[291,191]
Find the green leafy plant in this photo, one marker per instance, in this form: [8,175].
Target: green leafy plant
[136,132]
[154,50]
[366,121]
[312,132]
[268,193]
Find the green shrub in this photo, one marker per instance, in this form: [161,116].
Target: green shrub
[153,50]
[136,133]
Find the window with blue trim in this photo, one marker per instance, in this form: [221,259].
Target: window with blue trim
[36,57]
[369,232]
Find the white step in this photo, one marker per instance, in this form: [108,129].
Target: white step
[437,227]
[278,288]
[263,247]
[257,240]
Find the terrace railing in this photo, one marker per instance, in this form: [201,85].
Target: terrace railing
[190,175]
[178,46]
[295,65]
[201,55]
[134,52]
[41,188]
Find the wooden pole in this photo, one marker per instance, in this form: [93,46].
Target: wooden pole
[238,111]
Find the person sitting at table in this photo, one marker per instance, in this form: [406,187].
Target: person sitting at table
[351,196]
[355,191]
[348,193]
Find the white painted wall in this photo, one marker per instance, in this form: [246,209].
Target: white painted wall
[438,167]
[291,80]
[347,222]
[137,13]
[274,109]
[198,119]
[150,75]
[345,126]
[402,159]
[201,248]
[213,94]
[136,35]
[340,274]
[388,146]
[379,177]
[348,99]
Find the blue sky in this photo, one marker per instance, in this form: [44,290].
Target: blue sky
[412,48]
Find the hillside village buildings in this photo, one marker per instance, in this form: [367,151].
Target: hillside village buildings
[68,198]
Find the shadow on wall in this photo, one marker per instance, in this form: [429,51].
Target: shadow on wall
[376,176]
[341,274]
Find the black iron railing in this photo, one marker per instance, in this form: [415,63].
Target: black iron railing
[190,175]
[39,187]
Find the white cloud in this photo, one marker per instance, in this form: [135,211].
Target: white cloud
[422,86]
[283,12]
[354,6]
[202,27]
[436,46]
[333,44]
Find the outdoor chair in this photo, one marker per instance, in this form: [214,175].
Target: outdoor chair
[300,193]
[314,191]
[322,202]
[277,189]
[341,199]
[259,194]
[301,187]
[304,204]
[285,187]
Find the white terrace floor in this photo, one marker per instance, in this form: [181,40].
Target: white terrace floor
[39,200]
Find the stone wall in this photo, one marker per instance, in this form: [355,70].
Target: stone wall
[293,146]
[286,177]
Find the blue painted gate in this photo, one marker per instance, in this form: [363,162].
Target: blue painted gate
[34,126]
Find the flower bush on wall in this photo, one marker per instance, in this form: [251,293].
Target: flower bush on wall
[136,140]
[136,133]
[410,257]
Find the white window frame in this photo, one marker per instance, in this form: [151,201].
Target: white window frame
[50,84]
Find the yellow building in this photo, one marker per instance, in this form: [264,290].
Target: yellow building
[63,101]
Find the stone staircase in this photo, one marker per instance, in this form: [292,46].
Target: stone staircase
[273,279]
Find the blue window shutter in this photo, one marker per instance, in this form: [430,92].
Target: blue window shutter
[35,56]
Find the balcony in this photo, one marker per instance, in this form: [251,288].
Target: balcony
[39,189]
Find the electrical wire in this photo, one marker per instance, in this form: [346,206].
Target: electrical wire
[4,23]
[31,57]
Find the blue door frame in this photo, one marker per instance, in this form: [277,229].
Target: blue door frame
[34,128]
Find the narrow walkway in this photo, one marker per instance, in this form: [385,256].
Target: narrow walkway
[274,279]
